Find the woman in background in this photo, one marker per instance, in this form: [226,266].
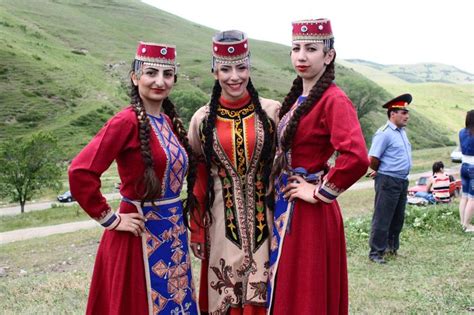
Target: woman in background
[308,251]
[466,141]
[233,136]
[142,264]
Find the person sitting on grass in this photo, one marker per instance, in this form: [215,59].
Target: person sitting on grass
[437,188]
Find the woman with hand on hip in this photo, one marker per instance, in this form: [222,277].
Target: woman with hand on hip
[308,250]
[143,264]
[233,138]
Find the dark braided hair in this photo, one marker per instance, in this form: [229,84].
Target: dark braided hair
[208,146]
[269,139]
[314,95]
[295,91]
[150,180]
[208,131]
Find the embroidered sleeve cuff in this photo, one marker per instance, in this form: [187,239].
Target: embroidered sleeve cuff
[327,192]
[109,220]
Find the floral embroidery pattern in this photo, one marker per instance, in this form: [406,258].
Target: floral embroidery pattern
[231,225]
[244,169]
[225,283]
[261,227]
[238,145]
[260,290]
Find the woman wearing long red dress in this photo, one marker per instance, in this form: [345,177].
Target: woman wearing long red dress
[234,138]
[308,273]
[143,263]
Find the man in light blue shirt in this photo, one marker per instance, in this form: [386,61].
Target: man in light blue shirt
[390,158]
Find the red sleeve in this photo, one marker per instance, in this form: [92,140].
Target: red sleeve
[198,233]
[96,157]
[346,137]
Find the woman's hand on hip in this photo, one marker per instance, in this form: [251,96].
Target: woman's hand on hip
[299,188]
[199,250]
[131,222]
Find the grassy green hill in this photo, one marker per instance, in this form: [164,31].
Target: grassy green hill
[445,104]
[421,72]
[64,67]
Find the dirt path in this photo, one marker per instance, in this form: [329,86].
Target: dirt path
[24,234]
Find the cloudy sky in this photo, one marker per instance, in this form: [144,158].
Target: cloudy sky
[387,32]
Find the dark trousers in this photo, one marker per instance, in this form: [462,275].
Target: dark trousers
[389,214]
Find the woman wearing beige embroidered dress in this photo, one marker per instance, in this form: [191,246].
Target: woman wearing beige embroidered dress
[234,137]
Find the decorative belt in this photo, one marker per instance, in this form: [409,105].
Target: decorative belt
[156,202]
[313,178]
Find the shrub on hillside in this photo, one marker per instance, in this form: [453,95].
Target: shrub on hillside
[188,102]
[91,121]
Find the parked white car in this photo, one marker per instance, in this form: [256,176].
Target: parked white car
[456,155]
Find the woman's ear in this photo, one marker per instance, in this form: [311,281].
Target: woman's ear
[134,78]
[329,57]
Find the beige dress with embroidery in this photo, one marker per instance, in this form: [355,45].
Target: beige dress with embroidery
[238,241]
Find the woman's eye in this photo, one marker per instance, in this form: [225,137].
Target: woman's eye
[295,49]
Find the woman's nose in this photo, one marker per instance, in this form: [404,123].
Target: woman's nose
[234,75]
[301,55]
[159,79]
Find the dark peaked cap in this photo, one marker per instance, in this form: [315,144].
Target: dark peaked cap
[399,102]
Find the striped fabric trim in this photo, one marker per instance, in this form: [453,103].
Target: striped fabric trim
[109,221]
[327,192]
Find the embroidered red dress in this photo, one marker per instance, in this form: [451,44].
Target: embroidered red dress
[136,275]
[234,277]
[309,269]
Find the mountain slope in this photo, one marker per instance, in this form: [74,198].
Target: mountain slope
[445,104]
[421,72]
[64,67]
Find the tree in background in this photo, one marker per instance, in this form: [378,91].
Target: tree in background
[28,165]
[188,102]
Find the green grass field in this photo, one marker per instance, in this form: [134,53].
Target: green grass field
[432,273]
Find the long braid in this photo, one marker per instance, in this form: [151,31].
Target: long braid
[314,95]
[150,180]
[295,91]
[268,130]
[208,146]
[191,202]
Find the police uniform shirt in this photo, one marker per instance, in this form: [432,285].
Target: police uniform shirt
[391,146]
